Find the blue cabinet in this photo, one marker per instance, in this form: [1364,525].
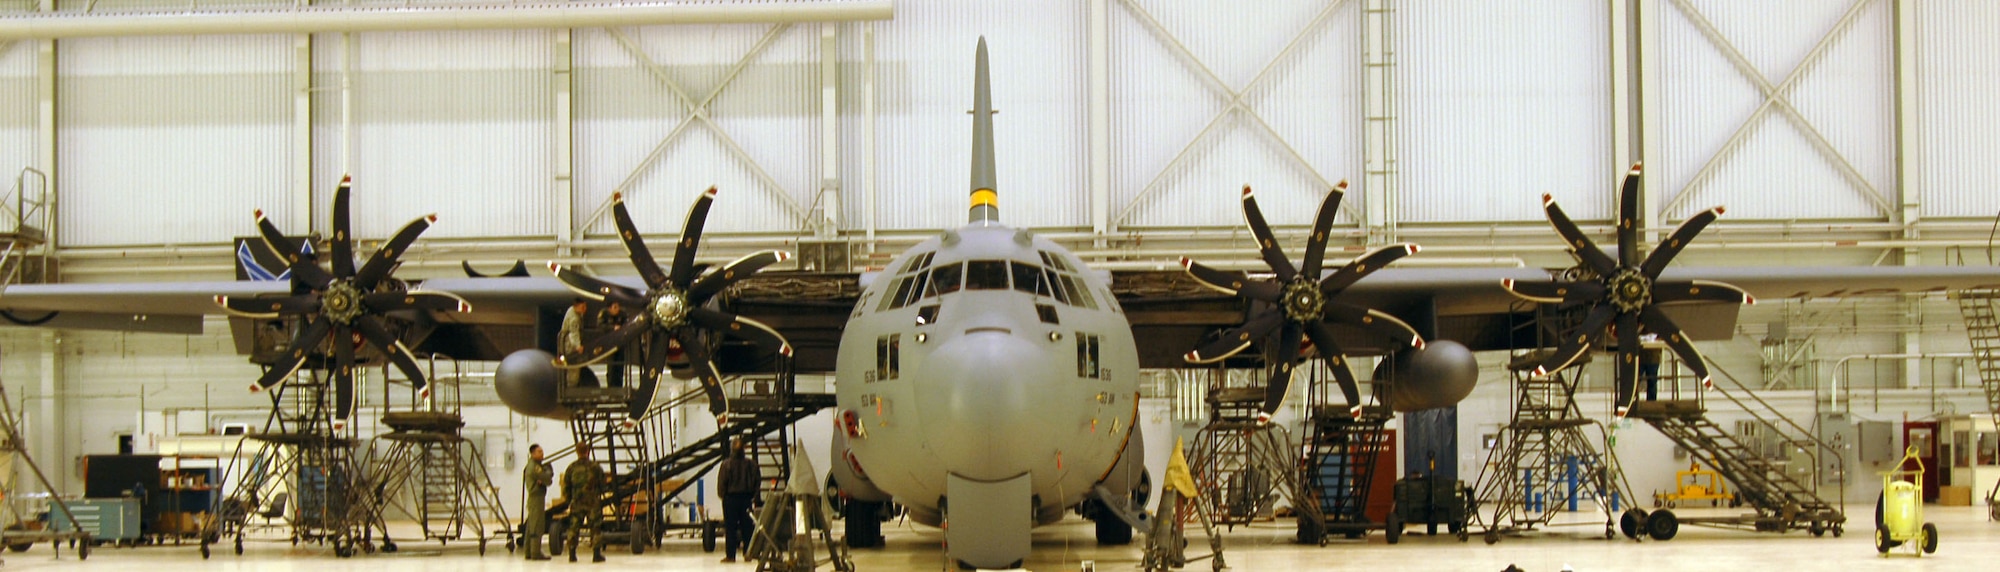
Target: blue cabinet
[105,519]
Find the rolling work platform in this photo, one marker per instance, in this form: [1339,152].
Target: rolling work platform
[301,471]
[1979,308]
[1548,459]
[1781,501]
[1342,454]
[1242,464]
[645,469]
[433,473]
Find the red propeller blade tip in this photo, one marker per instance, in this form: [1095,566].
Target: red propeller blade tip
[617,197]
[1507,283]
[433,217]
[1413,248]
[784,256]
[1719,211]
[1246,191]
[1540,371]
[1342,185]
[254,388]
[1417,342]
[1635,167]
[346,179]
[1548,199]
[1748,299]
[464,308]
[553,267]
[1187,262]
[1192,356]
[259,213]
[710,192]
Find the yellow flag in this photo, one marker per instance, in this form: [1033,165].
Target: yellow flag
[1179,479]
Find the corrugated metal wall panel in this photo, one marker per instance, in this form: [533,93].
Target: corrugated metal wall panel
[623,112]
[18,110]
[1775,173]
[1490,118]
[147,123]
[923,87]
[1958,67]
[454,123]
[1161,102]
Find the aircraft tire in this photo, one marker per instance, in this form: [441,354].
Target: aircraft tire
[864,530]
[1112,532]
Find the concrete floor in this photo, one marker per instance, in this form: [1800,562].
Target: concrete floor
[1968,542]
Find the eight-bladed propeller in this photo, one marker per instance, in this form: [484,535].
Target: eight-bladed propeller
[672,310]
[342,308]
[1297,303]
[1625,292]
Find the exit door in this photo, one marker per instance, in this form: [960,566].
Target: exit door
[1923,436]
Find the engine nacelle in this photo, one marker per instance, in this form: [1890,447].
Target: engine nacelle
[1439,375]
[527,381]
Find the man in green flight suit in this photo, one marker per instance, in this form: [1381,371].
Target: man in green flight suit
[535,480]
[583,485]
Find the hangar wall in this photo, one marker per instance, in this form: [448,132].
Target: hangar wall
[172,141]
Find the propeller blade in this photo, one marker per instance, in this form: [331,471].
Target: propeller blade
[384,260]
[267,308]
[433,300]
[1237,339]
[1322,225]
[305,267]
[1700,291]
[740,327]
[711,381]
[1376,321]
[1628,219]
[649,379]
[1336,361]
[635,245]
[683,270]
[1578,243]
[343,377]
[1367,264]
[1665,253]
[307,340]
[717,281]
[1576,344]
[398,354]
[343,233]
[1267,244]
[1232,283]
[1669,332]
[1628,350]
[601,348]
[1281,367]
[518,270]
[1541,292]
[590,287]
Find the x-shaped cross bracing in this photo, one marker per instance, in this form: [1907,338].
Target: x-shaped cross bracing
[697,113]
[1775,98]
[1234,96]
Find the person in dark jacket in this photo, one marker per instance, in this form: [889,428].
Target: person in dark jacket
[739,476]
[583,485]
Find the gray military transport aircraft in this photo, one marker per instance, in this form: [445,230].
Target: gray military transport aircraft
[987,378]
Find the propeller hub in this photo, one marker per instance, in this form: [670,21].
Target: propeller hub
[1303,302]
[670,308]
[1629,290]
[341,302]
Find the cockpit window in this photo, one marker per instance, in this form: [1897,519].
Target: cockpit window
[986,275]
[1028,278]
[1053,261]
[944,279]
[1054,282]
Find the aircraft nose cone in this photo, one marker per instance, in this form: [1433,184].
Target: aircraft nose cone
[981,418]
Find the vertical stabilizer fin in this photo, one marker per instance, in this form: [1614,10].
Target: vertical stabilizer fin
[985,198]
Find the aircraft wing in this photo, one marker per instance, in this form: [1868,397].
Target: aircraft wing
[1170,312]
[157,307]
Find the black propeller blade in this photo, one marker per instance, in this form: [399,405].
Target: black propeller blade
[1296,304]
[672,309]
[338,305]
[1624,293]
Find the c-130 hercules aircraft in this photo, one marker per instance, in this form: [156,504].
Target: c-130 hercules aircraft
[987,379]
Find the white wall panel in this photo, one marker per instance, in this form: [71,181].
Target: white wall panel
[923,87]
[1161,102]
[1958,81]
[1490,118]
[453,123]
[18,110]
[1775,172]
[172,139]
[623,111]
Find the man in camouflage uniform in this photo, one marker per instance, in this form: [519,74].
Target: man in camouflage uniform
[583,485]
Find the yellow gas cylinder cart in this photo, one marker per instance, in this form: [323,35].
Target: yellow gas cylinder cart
[1899,512]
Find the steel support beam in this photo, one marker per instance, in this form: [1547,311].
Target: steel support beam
[302,132]
[829,130]
[422,17]
[565,190]
[1097,39]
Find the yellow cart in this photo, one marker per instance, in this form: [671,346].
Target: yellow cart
[1696,484]
[1899,512]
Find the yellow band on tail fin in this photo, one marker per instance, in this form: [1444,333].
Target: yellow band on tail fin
[985,197]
